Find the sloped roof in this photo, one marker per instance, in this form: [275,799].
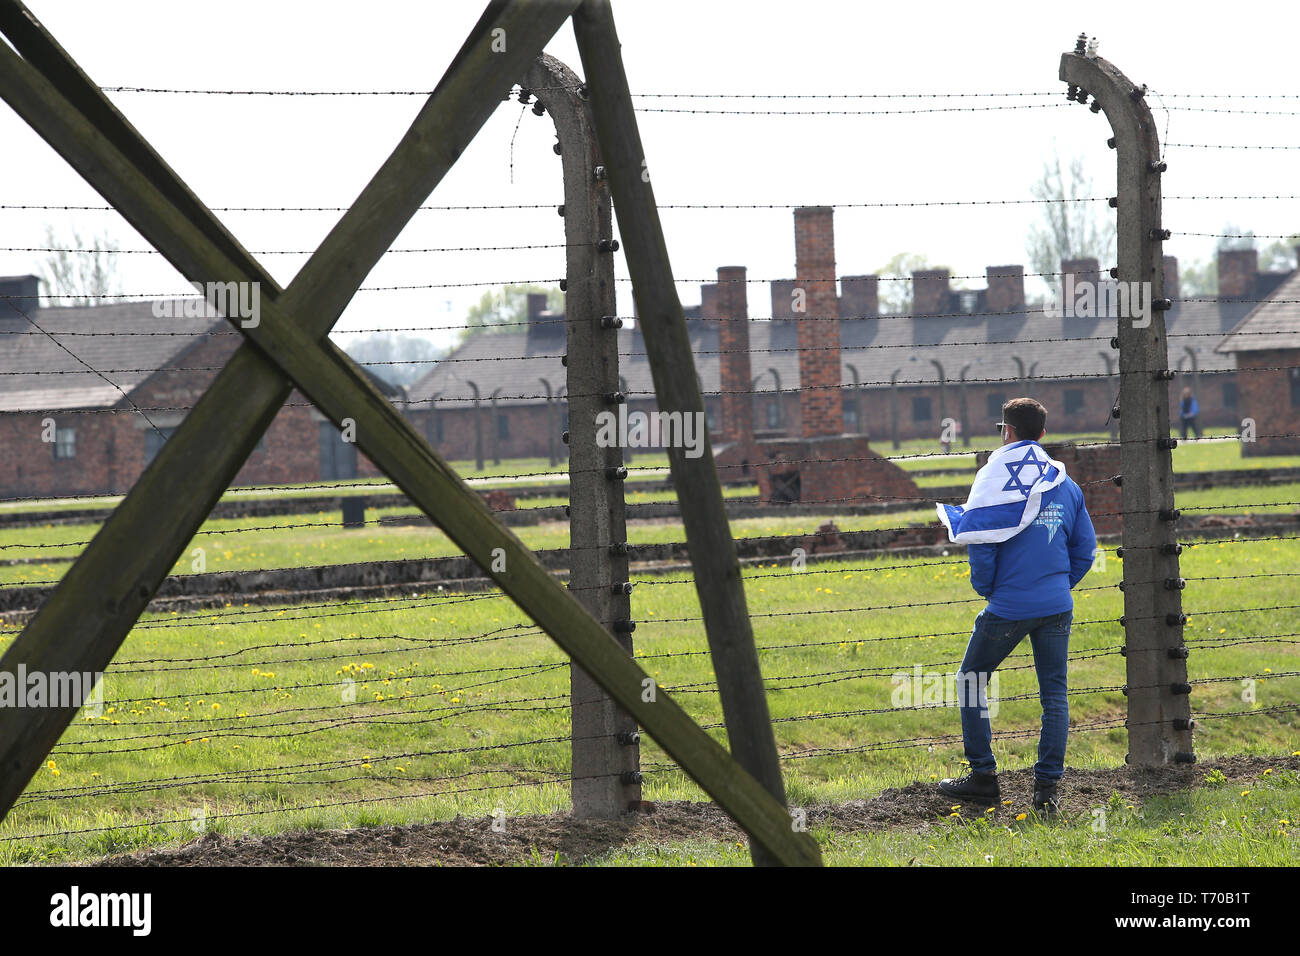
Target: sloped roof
[42,353]
[513,365]
[1272,324]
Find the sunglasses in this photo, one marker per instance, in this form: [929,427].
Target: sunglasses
[998,426]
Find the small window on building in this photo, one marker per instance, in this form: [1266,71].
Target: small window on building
[1073,401]
[503,426]
[850,416]
[1295,388]
[921,410]
[774,414]
[65,442]
[993,406]
[709,419]
[1229,394]
[154,439]
[437,427]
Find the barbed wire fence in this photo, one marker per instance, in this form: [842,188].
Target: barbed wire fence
[182,700]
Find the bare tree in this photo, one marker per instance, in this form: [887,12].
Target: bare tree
[79,270]
[1068,230]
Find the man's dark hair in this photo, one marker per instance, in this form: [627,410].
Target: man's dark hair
[1027,416]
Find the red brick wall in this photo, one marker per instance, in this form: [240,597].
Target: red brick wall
[821,412]
[1266,397]
[833,469]
[28,466]
[111,446]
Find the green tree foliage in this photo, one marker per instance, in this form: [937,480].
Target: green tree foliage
[895,281]
[499,310]
[1201,279]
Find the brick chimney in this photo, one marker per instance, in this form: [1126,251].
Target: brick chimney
[733,343]
[930,295]
[708,301]
[536,305]
[1006,289]
[1171,277]
[820,404]
[1083,270]
[859,297]
[1237,271]
[19,295]
[782,299]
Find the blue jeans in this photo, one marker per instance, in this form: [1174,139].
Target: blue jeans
[992,639]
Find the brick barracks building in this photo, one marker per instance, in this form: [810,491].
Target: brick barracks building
[65,430]
[959,354]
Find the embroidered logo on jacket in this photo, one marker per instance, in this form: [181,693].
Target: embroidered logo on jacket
[1050,518]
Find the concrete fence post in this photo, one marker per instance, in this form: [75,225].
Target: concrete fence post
[605,767]
[1159,705]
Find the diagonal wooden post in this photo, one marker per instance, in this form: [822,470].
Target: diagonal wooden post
[177,491]
[668,348]
[342,392]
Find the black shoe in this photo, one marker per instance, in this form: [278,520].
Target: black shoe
[1045,798]
[975,787]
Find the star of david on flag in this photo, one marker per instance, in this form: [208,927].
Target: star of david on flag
[1016,467]
[1005,497]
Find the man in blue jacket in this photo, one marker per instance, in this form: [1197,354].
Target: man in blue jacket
[1029,541]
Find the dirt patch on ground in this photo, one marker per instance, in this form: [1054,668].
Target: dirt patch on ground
[469,841]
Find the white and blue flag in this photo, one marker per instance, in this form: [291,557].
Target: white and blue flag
[1005,497]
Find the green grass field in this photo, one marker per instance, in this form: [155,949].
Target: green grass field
[240,721]
[459,704]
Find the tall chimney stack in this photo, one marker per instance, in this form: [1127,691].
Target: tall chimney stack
[1171,277]
[733,343]
[708,301]
[821,407]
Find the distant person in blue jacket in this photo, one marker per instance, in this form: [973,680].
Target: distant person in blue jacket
[1188,409]
[1030,541]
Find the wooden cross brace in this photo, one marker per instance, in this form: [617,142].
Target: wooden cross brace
[99,600]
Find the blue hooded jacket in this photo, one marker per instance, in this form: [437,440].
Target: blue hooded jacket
[1031,574]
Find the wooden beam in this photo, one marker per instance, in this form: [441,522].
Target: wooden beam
[74,632]
[342,392]
[668,348]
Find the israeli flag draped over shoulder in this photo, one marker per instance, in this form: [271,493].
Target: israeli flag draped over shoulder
[1005,497]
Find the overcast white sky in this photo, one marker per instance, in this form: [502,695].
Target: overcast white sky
[277,151]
